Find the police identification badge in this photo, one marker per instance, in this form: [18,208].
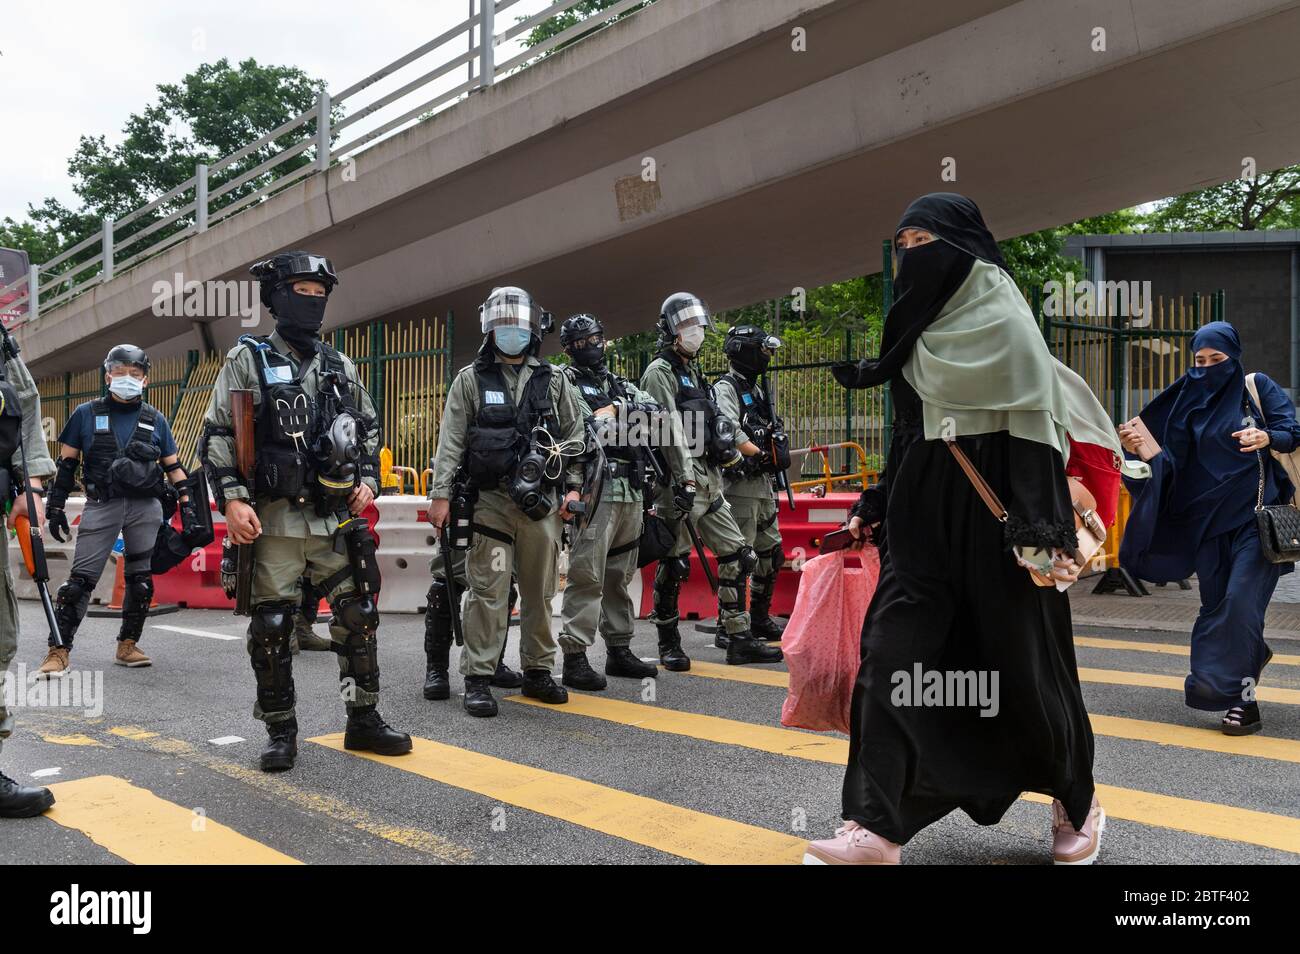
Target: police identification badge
[686,380]
[279,374]
[588,389]
[749,399]
[101,422]
[494,397]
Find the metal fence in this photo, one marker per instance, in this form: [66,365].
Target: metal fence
[307,144]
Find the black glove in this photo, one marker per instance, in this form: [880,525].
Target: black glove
[58,523]
[684,497]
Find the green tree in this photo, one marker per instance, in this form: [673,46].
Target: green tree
[1270,200]
[211,113]
[570,18]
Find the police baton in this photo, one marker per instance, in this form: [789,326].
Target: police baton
[449,574]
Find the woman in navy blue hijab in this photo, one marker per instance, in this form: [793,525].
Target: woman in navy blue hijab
[1196,513]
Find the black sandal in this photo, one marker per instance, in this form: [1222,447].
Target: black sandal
[1242,720]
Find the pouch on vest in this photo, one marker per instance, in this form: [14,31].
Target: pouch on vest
[135,473]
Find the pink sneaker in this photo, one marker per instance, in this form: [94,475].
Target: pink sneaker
[852,845]
[1076,847]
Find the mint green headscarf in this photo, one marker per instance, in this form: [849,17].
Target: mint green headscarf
[982,366]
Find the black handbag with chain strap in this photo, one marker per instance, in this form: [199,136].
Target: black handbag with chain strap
[1279,525]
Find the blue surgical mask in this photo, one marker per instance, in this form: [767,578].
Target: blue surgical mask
[126,387]
[512,340]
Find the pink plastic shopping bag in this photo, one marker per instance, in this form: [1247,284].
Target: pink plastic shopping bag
[822,642]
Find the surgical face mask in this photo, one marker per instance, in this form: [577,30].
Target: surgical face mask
[511,341]
[126,387]
[691,338]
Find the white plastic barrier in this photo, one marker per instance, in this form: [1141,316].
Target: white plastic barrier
[406,545]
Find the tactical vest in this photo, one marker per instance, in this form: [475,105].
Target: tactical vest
[598,389]
[286,429]
[501,432]
[699,411]
[110,470]
[754,417]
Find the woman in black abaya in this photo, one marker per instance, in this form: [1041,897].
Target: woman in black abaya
[954,593]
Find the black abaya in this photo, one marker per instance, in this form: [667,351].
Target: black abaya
[952,598]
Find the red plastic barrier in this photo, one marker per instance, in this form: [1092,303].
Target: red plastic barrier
[196,581]
[801,533]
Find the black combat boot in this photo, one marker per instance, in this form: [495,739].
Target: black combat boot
[282,746]
[539,685]
[478,696]
[578,673]
[437,642]
[762,624]
[671,656]
[744,648]
[505,677]
[22,801]
[720,637]
[367,732]
[621,661]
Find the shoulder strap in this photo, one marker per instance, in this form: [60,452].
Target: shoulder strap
[145,424]
[1253,388]
[978,482]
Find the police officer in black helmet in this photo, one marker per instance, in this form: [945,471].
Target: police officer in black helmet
[124,446]
[317,441]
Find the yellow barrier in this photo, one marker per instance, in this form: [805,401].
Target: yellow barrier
[827,481]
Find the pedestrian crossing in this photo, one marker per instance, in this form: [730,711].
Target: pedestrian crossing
[139,826]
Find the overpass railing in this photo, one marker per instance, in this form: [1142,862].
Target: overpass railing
[305,145]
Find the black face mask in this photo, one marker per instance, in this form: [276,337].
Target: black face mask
[751,362]
[591,356]
[298,318]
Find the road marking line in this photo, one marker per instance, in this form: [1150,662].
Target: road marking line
[1114,677]
[672,829]
[765,738]
[138,826]
[1148,808]
[46,772]
[227,740]
[1227,822]
[133,732]
[77,738]
[194,632]
[1173,649]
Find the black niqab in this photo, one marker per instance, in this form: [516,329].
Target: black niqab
[928,275]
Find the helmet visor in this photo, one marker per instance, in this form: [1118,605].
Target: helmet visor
[686,313]
[509,309]
[304,266]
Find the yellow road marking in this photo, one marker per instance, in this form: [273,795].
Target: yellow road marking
[1117,677]
[139,827]
[677,831]
[1172,649]
[74,739]
[1198,818]
[133,732]
[765,738]
[1148,808]
[1114,677]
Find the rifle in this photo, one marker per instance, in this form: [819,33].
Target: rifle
[779,461]
[241,412]
[34,549]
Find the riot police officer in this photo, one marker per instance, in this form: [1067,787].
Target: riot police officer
[603,557]
[743,396]
[20,424]
[316,438]
[124,446]
[506,469]
[674,381]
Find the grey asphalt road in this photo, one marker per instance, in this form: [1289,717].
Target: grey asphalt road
[157,727]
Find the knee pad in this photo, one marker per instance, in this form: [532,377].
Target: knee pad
[138,594]
[678,568]
[745,558]
[357,614]
[269,630]
[73,590]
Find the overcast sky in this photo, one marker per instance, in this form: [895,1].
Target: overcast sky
[79,67]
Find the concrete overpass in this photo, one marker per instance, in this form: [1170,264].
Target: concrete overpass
[775,168]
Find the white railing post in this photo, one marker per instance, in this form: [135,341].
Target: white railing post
[487,34]
[33,291]
[201,197]
[323,131]
[107,273]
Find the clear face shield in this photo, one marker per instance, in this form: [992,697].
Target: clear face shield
[687,313]
[511,309]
